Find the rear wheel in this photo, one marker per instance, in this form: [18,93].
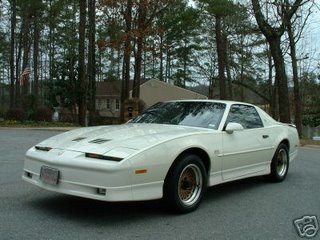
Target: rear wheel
[185,184]
[280,164]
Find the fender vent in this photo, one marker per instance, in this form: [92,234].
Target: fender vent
[100,140]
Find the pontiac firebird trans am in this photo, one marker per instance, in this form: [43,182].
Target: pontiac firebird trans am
[174,150]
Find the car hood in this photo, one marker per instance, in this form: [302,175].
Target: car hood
[117,140]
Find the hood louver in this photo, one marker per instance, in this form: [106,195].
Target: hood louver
[100,141]
[78,139]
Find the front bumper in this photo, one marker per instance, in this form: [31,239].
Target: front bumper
[89,178]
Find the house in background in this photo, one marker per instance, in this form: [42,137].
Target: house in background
[154,91]
[108,95]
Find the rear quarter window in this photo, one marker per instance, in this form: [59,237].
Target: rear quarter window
[245,115]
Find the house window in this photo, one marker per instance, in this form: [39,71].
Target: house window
[117,104]
[108,103]
[103,103]
[98,103]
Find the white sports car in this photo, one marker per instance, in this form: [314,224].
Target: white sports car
[174,150]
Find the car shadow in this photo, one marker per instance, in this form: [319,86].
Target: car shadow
[87,210]
[93,211]
[242,186]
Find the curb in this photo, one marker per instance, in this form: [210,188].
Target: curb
[310,146]
[62,129]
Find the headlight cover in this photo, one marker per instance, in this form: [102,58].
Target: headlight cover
[116,154]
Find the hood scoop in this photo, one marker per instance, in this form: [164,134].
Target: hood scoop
[100,140]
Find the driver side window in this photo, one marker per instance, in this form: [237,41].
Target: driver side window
[245,115]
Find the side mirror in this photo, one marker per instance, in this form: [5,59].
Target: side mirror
[231,127]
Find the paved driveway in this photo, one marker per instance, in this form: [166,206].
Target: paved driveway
[247,209]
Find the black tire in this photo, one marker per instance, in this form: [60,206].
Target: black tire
[185,184]
[280,164]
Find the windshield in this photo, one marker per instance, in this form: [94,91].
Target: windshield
[195,114]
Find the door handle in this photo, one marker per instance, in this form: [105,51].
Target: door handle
[265,136]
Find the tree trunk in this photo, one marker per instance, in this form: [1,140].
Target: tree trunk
[26,46]
[82,70]
[271,95]
[51,41]
[12,48]
[142,14]
[18,67]
[228,70]
[119,57]
[2,96]
[296,88]
[221,57]
[161,57]
[281,79]
[126,58]
[36,40]
[168,65]
[241,80]
[73,60]
[91,60]
[137,70]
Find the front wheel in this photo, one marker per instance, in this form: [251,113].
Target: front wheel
[185,184]
[280,164]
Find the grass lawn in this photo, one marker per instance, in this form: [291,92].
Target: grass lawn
[32,124]
[309,142]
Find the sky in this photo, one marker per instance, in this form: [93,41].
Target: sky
[309,45]
[313,29]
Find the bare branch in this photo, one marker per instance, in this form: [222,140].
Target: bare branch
[252,89]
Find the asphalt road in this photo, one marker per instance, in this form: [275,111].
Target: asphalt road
[247,209]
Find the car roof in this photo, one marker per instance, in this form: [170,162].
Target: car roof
[228,102]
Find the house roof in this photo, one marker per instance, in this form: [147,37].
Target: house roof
[111,88]
[153,82]
[108,88]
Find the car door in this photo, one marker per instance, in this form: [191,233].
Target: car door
[245,152]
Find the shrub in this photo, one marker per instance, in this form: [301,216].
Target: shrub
[42,114]
[16,114]
[2,112]
[95,119]
[66,115]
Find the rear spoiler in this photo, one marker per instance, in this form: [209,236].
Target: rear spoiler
[291,125]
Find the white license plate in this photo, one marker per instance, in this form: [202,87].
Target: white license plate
[49,175]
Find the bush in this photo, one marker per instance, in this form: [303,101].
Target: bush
[42,114]
[311,120]
[16,114]
[95,119]
[66,115]
[2,113]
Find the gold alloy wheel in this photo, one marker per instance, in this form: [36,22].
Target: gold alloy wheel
[282,162]
[190,184]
